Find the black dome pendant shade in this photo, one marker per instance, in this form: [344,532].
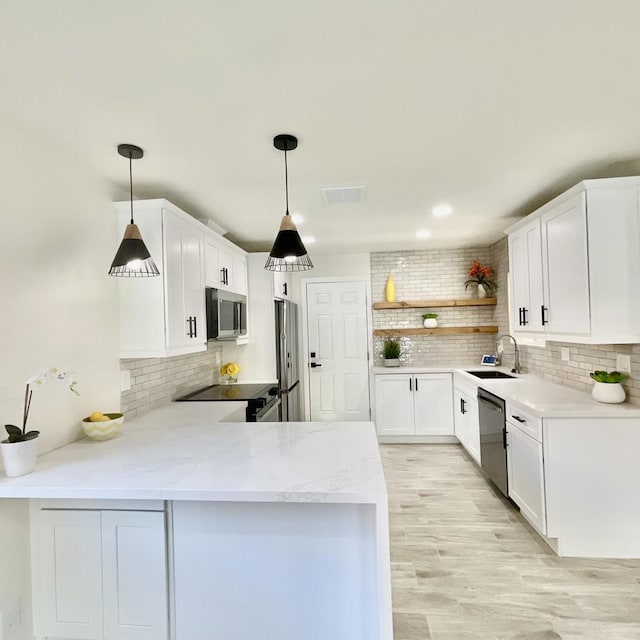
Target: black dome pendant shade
[133,259]
[288,252]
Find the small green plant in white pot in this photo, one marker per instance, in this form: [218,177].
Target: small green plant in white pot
[607,386]
[430,320]
[391,353]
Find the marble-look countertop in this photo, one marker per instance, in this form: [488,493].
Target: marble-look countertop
[179,452]
[541,397]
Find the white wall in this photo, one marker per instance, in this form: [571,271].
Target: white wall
[58,308]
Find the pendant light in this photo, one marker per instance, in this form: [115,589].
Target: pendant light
[133,259]
[288,252]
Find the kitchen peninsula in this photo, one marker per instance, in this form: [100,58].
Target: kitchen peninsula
[275,530]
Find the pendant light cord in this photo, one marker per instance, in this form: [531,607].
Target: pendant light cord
[286,179]
[131,187]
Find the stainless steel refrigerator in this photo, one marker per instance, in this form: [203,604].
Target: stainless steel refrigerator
[287,360]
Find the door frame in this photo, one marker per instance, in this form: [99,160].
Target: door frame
[305,379]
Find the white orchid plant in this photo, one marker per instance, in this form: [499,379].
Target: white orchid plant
[17,434]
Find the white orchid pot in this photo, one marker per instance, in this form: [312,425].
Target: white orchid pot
[430,323]
[19,458]
[608,392]
[482,291]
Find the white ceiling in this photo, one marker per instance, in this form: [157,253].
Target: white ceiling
[492,106]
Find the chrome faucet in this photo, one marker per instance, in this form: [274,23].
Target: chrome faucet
[516,364]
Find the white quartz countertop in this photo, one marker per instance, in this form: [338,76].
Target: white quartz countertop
[541,397]
[180,453]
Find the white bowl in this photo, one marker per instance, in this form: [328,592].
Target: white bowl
[103,430]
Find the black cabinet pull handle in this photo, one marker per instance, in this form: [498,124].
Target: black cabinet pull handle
[544,310]
[315,364]
[189,321]
[520,309]
[410,384]
[222,275]
[416,384]
[284,288]
[462,406]
[524,316]
[518,418]
[195,327]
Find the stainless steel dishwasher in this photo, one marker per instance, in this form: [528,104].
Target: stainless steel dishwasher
[493,439]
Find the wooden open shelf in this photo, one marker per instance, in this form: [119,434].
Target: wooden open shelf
[437,331]
[429,304]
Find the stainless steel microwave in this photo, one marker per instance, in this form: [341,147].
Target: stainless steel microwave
[226,314]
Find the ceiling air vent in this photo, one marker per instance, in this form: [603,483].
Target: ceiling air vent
[343,195]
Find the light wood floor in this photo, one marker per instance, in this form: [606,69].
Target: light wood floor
[465,565]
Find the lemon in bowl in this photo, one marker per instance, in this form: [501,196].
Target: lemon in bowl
[102,426]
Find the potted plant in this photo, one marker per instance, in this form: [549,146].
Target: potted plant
[20,450]
[607,386]
[391,353]
[480,277]
[430,320]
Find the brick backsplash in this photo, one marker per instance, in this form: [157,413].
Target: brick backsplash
[431,275]
[155,382]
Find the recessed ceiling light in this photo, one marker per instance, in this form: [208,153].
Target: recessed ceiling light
[442,210]
[297,218]
[421,234]
[308,239]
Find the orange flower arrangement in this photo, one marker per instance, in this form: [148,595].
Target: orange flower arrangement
[480,275]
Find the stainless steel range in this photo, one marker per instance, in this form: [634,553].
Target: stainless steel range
[263,403]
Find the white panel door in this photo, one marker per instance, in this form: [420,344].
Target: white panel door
[519,271]
[212,273]
[337,328]
[394,404]
[134,575]
[193,284]
[461,418]
[566,263]
[471,409]
[533,316]
[433,404]
[176,319]
[526,476]
[68,596]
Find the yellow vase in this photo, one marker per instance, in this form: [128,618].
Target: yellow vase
[390,290]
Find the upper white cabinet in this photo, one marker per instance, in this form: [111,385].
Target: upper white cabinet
[414,404]
[164,316]
[225,264]
[573,265]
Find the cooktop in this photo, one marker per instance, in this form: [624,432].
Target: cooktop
[228,392]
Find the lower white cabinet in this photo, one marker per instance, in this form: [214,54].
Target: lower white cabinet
[525,468]
[99,574]
[414,404]
[467,422]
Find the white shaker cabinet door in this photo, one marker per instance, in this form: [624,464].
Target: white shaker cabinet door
[433,404]
[526,476]
[394,404]
[135,576]
[566,267]
[68,588]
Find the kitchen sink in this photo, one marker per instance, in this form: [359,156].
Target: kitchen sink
[490,374]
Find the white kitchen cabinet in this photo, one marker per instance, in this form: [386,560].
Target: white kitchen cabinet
[164,316]
[525,469]
[525,266]
[573,264]
[225,265]
[414,404]
[99,574]
[282,285]
[466,422]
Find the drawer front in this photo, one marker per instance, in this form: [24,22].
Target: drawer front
[461,383]
[524,420]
